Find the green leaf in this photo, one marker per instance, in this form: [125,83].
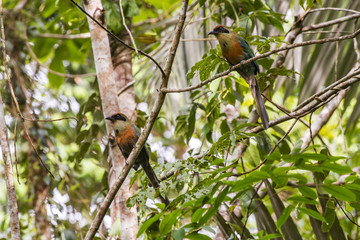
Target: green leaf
[271,236]
[249,180]
[115,228]
[284,216]
[337,168]
[130,8]
[297,146]
[312,213]
[56,81]
[197,236]
[179,234]
[301,199]
[148,223]
[307,192]
[83,149]
[214,85]
[212,210]
[168,221]
[329,216]
[353,186]
[198,214]
[81,136]
[191,123]
[340,192]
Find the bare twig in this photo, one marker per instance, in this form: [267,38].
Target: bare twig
[352,221]
[117,38]
[36,152]
[145,133]
[287,112]
[248,212]
[126,87]
[311,135]
[50,120]
[334,86]
[16,159]
[127,29]
[271,151]
[333,9]
[65,36]
[331,22]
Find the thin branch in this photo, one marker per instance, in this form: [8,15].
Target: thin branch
[327,94]
[333,9]
[271,151]
[334,86]
[331,22]
[34,148]
[284,48]
[50,120]
[185,39]
[64,36]
[117,38]
[287,112]
[145,133]
[127,29]
[126,87]
[248,212]
[352,221]
[16,159]
[311,135]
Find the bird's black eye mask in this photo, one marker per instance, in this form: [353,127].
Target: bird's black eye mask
[116,117]
[221,29]
[120,117]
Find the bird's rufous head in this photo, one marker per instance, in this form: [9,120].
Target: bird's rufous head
[218,30]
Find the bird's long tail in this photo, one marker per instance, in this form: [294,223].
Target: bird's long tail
[153,180]
[260,106]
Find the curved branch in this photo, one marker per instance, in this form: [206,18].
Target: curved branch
[331,22]
[333,9]
[127,29]
[67,36]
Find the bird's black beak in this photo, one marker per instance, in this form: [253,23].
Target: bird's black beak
[111,118]
[211,32]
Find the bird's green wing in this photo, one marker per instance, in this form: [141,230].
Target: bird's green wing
[248,51]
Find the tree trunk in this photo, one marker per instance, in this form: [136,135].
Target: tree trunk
[122,61]
[108,93]
[9,176]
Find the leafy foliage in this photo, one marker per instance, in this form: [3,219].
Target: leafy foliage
[213,188]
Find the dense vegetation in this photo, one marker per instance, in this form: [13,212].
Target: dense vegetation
[226,177]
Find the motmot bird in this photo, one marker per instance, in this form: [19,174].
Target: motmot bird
[126,136]
[235,49]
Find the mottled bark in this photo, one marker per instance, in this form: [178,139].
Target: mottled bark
[42,223]
[122,61]
[9,176]
[108,92]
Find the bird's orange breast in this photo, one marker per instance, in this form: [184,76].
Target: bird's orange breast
[235,53]
[126,137]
